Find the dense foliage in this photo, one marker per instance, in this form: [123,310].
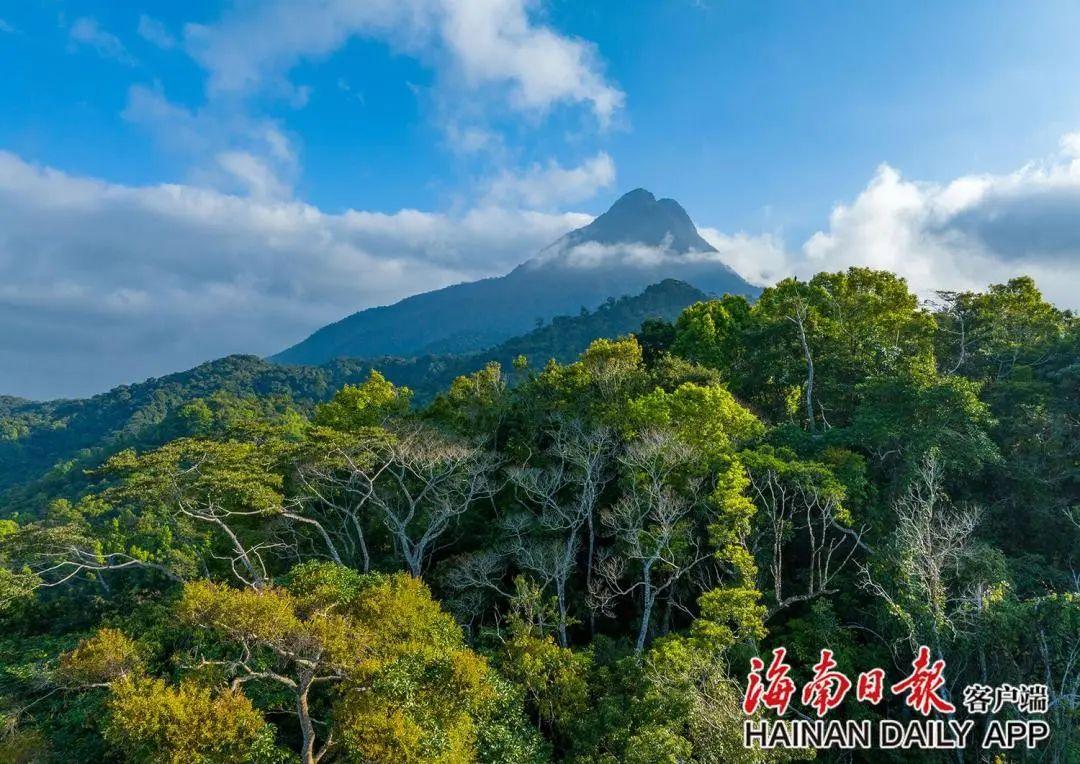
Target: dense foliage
[572,562]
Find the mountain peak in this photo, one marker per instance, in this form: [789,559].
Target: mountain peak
[638,217]
[561,279]
[637,198]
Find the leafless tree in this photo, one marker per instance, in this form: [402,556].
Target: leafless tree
[952,320]
[43,557]
[653,523]
[247,557]
[249,533]
[590,454]
[478,582]
[484,570]
[337,481]
[419,482]
[931,539]
[798,508]
[565,494]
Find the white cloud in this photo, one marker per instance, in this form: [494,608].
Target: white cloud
[254,174]
[86,31]
[552,185]
[7,28]
[968,233]
[1070,145]
[739,248]
[480,44]
[153,31]
[761,260]
[491,57]
[228,149]
[494,41]
[591,254]
[965,234]
[102,284]
[471,139]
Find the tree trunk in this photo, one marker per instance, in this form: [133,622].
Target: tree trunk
[366,559]
[307,751]
[665,624]
[646,609]
[588,572]
[800,321]
[560,590]
[413,555]
[257,581]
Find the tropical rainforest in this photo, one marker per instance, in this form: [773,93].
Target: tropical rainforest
[566,560]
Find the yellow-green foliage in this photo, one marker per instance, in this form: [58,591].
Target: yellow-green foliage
[407,688]
[597,384]
[709,332]
[707,417]
[151,721]
[416,695]
[105,657]
[401,615]
[272,618]
[729,615]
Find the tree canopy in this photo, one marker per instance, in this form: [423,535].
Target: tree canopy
[572,560]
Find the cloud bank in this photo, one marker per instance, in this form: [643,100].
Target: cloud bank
[103,284]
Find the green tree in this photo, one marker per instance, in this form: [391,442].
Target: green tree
[710,333]
[822,338]
[365,405]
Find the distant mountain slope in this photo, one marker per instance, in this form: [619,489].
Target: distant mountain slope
[45,443]
[639,241]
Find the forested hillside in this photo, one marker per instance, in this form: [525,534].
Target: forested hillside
[572,562]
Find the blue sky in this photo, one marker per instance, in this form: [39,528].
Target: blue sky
[751,114]
[394,146]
